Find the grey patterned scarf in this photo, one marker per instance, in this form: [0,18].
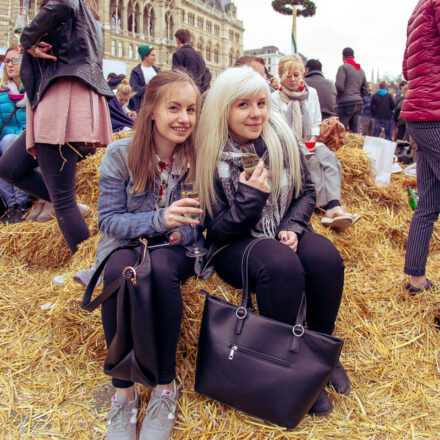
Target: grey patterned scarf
[297,118]
[229,168]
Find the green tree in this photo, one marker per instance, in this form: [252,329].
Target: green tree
[305,8]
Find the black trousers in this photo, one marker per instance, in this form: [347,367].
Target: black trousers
[279,277]
[54,183]
[169,267]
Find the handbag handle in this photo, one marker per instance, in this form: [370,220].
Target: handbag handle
[246,298]
[8,118]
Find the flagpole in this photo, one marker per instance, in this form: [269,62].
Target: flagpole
[294,41]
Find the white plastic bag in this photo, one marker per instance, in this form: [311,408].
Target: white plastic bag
[381,153]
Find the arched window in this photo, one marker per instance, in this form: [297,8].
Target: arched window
[216,54]
[231,57]
[152,23]
[208,51]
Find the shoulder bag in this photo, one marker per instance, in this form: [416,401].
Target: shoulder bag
[268,369]
[132,354]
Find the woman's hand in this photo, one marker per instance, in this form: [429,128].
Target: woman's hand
[40,51]
[174,238]
[289,238]
[258,179]
[173,215]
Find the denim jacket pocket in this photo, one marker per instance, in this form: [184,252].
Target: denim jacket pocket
[139,201]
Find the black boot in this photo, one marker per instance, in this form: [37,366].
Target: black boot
[339,380]
[16,213]
[322,405]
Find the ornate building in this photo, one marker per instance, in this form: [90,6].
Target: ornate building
[216,32]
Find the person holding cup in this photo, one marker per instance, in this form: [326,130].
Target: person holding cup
[299,104]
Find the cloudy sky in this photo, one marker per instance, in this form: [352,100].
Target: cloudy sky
[375,29]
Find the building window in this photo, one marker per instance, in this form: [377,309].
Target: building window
[208,53]
[183,16]
[200,47]
[200,22]
[113,50]
[209,27]
[216,55]
[269,61]
[231,36]
[130,51]
[237,38]
[191,19]
[216,30]
[120,51]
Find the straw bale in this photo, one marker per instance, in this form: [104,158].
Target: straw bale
[52,352]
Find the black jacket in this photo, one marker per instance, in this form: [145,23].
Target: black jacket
[326,92]
[233,222]
[137,83]
[77,42]
[382,107]
[189,60]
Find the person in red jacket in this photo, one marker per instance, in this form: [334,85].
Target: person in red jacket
[421,110]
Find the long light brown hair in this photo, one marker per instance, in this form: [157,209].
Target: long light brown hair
[141,154]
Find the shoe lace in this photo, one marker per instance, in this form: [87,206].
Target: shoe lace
[160,409]
[119,416]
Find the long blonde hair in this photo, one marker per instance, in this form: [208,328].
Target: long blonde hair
[141,154]
[212,134]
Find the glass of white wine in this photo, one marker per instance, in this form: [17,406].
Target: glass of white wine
[21,22]
[189,191]
[249,158]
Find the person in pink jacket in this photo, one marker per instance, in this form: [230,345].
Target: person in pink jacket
[421,110]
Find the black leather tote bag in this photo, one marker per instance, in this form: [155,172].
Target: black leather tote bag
[263,367]
[132,354]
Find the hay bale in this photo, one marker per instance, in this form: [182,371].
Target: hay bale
[51,370]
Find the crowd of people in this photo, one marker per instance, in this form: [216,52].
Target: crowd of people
[56,107]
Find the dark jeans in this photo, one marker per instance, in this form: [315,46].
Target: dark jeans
[169,267]
[55,183]
[279,277]
[387,126]
[350,115]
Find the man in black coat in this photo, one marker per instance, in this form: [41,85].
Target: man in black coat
[325,88]
[187,59]
[382,106]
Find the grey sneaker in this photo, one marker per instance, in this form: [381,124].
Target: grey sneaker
[122,420]
[159,417]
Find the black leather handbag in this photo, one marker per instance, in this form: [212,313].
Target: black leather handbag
[132,354]
[263,367]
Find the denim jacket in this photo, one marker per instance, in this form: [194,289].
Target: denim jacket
[123,213]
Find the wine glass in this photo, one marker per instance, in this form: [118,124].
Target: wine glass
[310,143]
[189,190]
[21,22]
[249,158]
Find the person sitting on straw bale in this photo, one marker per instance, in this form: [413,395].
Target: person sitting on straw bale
[270,196]
[124,93]
[140,188]
[299,104]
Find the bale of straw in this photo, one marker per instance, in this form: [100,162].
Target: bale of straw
[52,352]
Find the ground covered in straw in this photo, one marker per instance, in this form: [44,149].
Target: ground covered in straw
[53,387]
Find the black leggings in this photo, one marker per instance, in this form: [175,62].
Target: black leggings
[55,183]
[169,267]
[279,277]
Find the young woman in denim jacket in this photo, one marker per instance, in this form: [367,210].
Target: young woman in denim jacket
[276,201]
[140,188]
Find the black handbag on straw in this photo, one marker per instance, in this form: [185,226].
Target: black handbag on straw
[263,367]
[132,354]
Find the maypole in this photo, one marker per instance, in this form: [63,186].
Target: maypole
[290,7]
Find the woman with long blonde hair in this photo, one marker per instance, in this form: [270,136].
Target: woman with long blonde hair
[274,200]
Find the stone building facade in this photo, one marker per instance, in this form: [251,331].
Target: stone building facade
[215,29]
[271,56]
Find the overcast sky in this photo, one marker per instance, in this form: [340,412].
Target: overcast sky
[375,29]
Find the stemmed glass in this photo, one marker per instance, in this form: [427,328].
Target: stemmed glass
[189,190]
[249,158]
[310,143]
[21,22]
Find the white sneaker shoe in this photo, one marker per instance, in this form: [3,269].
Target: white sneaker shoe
[159,418]
[122,419]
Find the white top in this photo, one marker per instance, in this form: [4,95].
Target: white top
[148,72]
[311,105]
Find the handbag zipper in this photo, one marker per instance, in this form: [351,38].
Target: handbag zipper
[257,355]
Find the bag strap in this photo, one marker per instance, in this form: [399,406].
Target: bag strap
[8,118]
[246,298]
[89,305]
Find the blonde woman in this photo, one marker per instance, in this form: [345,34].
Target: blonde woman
[124,93]
[299,104]
[275,201]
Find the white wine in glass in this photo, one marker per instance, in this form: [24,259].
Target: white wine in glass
[21,22]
